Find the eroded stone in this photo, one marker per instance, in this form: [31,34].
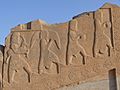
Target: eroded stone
[84,51]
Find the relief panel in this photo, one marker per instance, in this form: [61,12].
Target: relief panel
[103,36]
[81,37]
[39,55]
[33,52]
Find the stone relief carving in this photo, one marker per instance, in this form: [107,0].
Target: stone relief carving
[19,51]
[32,53]
[48,58]
[16,59]
[74,47]
[103,44]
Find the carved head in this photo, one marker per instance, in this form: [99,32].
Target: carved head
[74,25]
[15,40]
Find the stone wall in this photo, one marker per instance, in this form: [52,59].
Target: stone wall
[82,54]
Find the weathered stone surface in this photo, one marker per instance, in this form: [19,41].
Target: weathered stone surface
[98,85]
[84,51]
[1,64]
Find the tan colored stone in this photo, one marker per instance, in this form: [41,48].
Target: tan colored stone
[84,52]
[1,63]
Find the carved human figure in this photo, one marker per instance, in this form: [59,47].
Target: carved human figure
[16,58]
[48,57]
[74,46]
[103,43]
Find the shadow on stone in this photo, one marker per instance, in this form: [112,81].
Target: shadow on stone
[112,79]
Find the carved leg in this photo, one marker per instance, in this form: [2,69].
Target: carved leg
[69,57]
[29,72]
[84,55]
[58,68]
[11,76]
[109,50]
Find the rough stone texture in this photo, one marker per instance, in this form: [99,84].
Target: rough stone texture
[1,64]
[84,52]
[98,85]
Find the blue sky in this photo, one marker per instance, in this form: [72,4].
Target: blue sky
[14,12]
